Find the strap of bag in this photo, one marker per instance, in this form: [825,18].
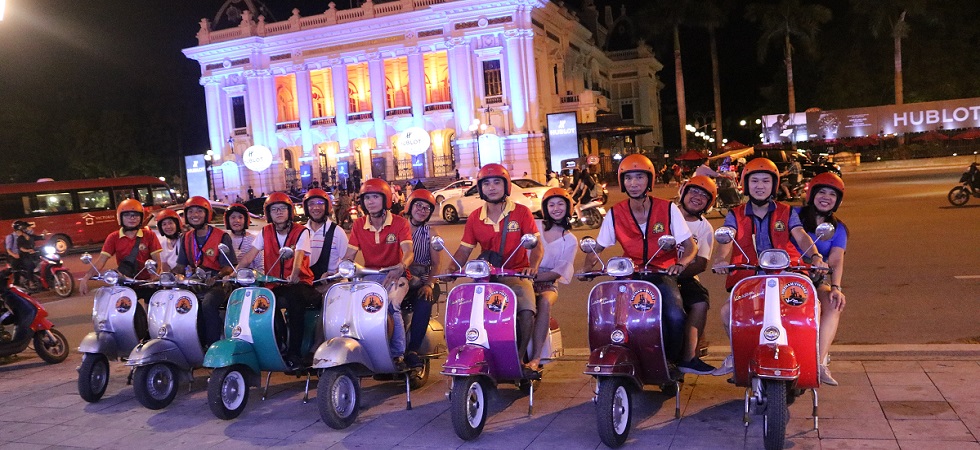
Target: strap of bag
[131,257]
[503,237]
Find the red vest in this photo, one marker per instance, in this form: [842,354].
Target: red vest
[780,238]
[208,257]
[638,247]
[270,253]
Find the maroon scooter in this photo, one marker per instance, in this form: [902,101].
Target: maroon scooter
[24,321]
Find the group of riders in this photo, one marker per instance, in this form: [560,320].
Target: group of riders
[399,246]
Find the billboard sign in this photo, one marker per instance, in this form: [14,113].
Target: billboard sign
[562,138]
[197,176]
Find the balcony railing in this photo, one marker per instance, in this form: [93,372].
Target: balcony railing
[568,99]
[241,131]
[355,116]
[439,106]
[324,121]
[399,111]
[287,125]
[495,99]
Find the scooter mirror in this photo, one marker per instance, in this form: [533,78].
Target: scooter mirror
[724,235]
[437,243]
[825,231]
[87,258]
[529,241]
[667,242]
[587,245]
[151,265]
[286,252]
[224,248]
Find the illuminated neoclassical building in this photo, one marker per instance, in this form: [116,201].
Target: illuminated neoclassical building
[470,81]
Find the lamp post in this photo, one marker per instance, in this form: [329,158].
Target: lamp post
[208,157]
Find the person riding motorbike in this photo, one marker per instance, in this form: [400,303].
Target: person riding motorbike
[237,222]
[169,230]
[422,289]
[791,177]
[760,179]
[13,250]
[385,241]
[497,227]
[556,264]
[637,224]
[198,249]
[328,242]
[132,245]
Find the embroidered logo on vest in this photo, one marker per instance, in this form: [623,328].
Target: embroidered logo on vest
[658,227]
[209,252]
[513,226]
[390,239]
[780,226]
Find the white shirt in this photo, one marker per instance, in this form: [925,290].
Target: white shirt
[704,236]
[303,245]
[559,255]
[337,248]
[678,227]
[169,253]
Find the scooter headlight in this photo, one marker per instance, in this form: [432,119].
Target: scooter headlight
[620,267]
[168,279]
[477,269]
[771,333]
[245,277]
[472,335]
[774,259]
[618,336]
[102,325]
[347,268]
[50,251]
[111,277]
[162,332]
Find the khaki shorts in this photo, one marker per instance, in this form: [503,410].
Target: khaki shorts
[524,290]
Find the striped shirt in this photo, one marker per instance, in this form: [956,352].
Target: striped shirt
[420,245]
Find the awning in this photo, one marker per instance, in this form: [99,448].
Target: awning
[735,154]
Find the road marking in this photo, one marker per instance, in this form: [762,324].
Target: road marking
[967,277]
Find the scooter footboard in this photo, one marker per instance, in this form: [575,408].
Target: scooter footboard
[229,352]
[158,350]
[466,360]
[103,343]
[341,351]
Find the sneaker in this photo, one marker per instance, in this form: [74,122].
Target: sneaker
[727,367]
[399,363]
[413,360]
[826,377]
[696,366]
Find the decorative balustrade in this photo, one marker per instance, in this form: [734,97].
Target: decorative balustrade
[355,116]
[287,125]
[439,106]
[399,111]
[323,121]
[495,99]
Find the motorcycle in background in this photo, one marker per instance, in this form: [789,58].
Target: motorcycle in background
[50,274]
[23,321]
[959,195]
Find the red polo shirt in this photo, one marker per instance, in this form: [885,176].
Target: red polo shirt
[481,230]
[381,247]
[119,245]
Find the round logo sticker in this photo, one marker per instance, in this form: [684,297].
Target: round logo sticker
[372,303]
[643,300]
[390,239]
[261,304]
[497,302]
[793,294]
[209,252]
[123,304]
[183,305]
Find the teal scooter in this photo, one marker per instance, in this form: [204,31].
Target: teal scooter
[255,336]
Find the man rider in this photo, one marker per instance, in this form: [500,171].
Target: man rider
[422,291]
[328,242]
[198,249]
[487,226]
[298,293]
[131,246]
[637,223]
[793,176]
[385,240]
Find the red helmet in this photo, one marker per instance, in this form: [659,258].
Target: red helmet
[493,171]
[556,192]
[828,180]
[272,199]
[168,214]
[705,183]
[422,195]
[636,163]
[760,165]
[200,202]
[317,193]
[129,205]
[237,208]
[377,186]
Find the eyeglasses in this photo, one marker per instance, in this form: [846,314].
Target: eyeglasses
[278,209]
[424,207]
[699,193]
[131,215]
[316,203]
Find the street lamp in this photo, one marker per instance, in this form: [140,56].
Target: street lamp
[208,157]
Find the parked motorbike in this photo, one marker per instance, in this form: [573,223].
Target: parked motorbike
[775,321]
[161,363]
[255,336]
[729,194]
[356,336]
[959,195]
[797,191]
[626,343]
[50,274]
[592,214]
[481,320]
[23,321]
[116,317]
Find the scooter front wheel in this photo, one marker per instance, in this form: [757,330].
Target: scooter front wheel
[155,385]
[958,196]
[614,411]
[776,415]
[227,392]
[53,347]
[64,284]
[468,407]
[338,397]
[93,377]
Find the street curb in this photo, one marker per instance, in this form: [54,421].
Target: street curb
[851,352]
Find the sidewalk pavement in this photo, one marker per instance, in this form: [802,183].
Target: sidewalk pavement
[890,397]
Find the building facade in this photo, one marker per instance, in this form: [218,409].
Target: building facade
[325,96]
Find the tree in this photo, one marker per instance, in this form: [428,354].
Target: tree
[712,16]
[891,14]
[784,22]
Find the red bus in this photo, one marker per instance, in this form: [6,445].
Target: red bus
[77,212]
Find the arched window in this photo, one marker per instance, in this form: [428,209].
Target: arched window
[319,104]
[286,106]
[287,158]
[352,103]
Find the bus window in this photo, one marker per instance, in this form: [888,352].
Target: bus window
[94,200]
[54,203]
[143,195]
[11,206]
[162,197]
[122,194]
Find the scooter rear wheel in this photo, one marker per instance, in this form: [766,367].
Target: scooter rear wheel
[93,377]
[468,407]
[64,284]
[776,415]
[52,349]
[958,196]
[338,397]
[155,385]
[614,411]
[228,392]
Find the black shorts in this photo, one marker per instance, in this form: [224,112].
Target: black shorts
[692,292]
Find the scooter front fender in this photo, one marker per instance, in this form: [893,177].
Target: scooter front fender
[104,343]
[467,359]
[775,362]
[341,351]
[612,360]
[156,351]
[229,352]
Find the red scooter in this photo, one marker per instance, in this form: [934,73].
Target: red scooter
[775,321]
[23,320]
[50,274]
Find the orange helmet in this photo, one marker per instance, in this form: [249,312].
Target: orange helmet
[317,193]
[200,202]
[272,199]
[237,208]
[168,214]
[828,180]
[377,186]
[636,163]
[493,171]
[422,195]
[129,205]
[556,192]
[760,165]
[705,183]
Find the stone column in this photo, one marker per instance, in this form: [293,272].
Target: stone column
[216,130]
[376,74]
[517,73]
[304,100]
[459,57]
[416,85]
[531,70]
[338,75]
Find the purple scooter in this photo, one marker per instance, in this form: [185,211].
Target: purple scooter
[481,333]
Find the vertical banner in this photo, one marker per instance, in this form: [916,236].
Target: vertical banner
[562,138]
[197,176]
[490,150]
[305,175]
